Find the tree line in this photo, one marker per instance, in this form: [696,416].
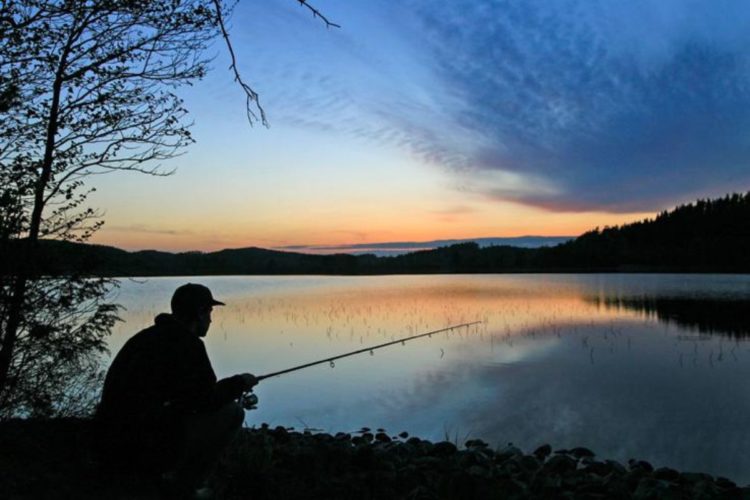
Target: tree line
[704,236]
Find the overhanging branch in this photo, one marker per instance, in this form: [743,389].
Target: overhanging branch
[250,94]
[316,13]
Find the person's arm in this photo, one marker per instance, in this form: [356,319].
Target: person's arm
[197,389]
[231,388]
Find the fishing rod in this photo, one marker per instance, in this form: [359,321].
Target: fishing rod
[249,400]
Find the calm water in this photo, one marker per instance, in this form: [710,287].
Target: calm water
[649,366]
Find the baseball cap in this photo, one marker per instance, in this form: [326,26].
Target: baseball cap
[192,297]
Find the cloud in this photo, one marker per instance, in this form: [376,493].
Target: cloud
[140,228]
[455,210]
[402,247]
[589,107]
[569,105]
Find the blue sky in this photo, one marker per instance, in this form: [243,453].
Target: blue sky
[429,120]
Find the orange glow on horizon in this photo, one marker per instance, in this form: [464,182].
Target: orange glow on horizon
[322,232]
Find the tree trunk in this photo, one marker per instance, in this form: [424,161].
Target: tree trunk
[29,248]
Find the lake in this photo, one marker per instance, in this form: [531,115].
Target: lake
[649,366]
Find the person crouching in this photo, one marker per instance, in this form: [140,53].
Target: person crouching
[162,410]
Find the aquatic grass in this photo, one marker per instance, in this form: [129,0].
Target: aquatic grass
[516,323]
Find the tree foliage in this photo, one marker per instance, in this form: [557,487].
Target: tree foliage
[87,87]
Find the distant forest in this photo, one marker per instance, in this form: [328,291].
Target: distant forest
[705,236]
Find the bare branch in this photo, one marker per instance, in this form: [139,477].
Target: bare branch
[86,88]
[251,96]
[316,13]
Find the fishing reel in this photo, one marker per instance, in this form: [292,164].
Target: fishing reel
[249,401]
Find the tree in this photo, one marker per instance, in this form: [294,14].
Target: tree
[86,87]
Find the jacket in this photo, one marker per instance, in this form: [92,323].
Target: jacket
[163,370]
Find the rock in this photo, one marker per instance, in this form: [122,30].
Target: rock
[648,488]
[543,452]
[633,476]
[277,464]
[667,474]
[359,441]
[723,482]
[695,477]
[598,468]
[401,450]
[430,462]
[640,464]
[573,481]
[475,443]
[280,434]
[615,482]
[581,452]
[549,484]
[528,463]
[559,464]
[364,457]
[707,489]
[617,467]
[507,453]
[425,447]
[474,456]
[476,470]
[382,437]
[511,467]
[444,448]
[592,490]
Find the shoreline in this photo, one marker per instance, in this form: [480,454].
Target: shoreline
[52,459]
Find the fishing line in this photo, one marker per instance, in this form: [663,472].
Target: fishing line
[249,400]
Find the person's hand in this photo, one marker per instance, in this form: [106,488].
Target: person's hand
[248,380]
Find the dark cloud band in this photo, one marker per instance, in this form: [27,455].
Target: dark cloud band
[555,92]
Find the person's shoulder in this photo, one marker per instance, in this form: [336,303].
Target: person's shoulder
[167,330]
[157,332]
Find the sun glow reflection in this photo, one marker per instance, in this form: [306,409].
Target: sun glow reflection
[272,323]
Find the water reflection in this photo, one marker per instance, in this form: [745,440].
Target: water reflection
[624,377]
[707,315]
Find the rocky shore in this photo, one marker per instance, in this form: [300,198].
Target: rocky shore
[51,459]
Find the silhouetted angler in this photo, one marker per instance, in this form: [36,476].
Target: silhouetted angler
[162,409]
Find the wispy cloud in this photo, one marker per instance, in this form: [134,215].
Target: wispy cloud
[401,247]
[143,229]
[607,108]
[569,105]
[455,210]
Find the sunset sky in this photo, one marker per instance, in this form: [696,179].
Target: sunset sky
[421,120]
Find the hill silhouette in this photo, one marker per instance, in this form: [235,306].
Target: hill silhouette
[704,236]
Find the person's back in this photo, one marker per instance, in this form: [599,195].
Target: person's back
[162,408]
[159,374]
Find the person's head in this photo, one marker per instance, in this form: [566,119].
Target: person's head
[192,305]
